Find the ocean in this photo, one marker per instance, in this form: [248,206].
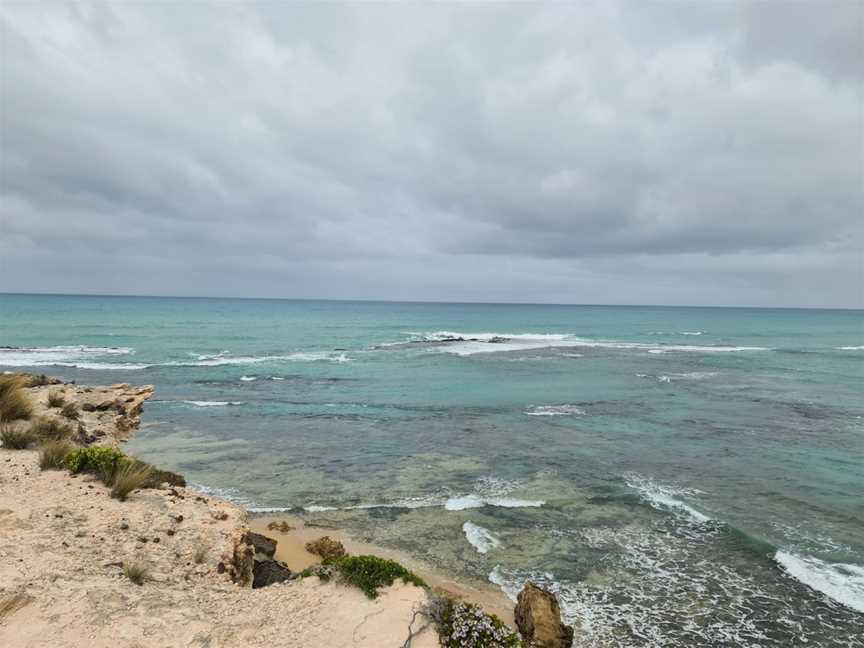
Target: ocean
[679,476]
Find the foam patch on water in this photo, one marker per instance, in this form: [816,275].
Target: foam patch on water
[555,410]
[851,348]
[842,582]
[665,497]
[467,344]
[212,403]
[248,378]
[221,359]
[481,538]
[68,356]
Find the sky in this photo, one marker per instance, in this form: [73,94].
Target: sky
[705,153]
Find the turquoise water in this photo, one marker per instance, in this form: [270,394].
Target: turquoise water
[681,476]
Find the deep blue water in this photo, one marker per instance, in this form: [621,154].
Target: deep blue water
[682,476]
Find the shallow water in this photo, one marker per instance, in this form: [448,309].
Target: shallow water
[682,476]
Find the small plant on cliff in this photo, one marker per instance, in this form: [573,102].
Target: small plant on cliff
[371,572]
[464,625]
[128,478]
[14,401]
[97,459]
[15,437]
[55,399]
[200,554]
[47,428]
[135,572]
[52,455]
[70,411]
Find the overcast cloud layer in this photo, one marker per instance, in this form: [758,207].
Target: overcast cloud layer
[702,153]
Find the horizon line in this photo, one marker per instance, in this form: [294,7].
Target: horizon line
[422,301]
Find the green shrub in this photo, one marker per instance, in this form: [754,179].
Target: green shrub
[70,411]
[371,572]
[465,625]
[135,572]
[55,399]
[48,428]
[98,459]
[52,455]
[15,437]
[14,401]
[127,478]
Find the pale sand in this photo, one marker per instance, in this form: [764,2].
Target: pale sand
[61,540]
[291,549]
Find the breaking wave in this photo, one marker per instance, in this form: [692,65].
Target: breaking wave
[664,497]
[842,582]
[67,356]
[554,410]
[480,538]
[212,403]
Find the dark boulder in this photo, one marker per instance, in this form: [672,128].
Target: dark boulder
[265,547]
[268,572]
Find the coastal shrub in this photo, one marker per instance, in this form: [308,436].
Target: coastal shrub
[14,401]
[98,459]
[135,572]
[127,478]
[70,411]
[371,572]
[48,428]
[200,555]
[15,437]
[465,625]
[52,455]
[55,399]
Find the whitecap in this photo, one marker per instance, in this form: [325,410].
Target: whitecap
[555,410]
[464,502]
[315,508]
[248,378]
[842,582]
[692,332]
[480,538]
[665,497]
[79,356]
[211,403]
[851,348]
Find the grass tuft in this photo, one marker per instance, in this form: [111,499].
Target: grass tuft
[55,399]
[128,478]
[12,602]
[200,554]
[14,401]
[15,437]
[52,455]
[371,572]
[135,572]
[48,428]
[70,411]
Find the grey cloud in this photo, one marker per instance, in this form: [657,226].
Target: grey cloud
[488,152]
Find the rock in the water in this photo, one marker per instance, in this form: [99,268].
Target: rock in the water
[267,572]
[538,618]
[265,547]
[326,547]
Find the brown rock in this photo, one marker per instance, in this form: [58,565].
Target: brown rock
[538,618]
[326,547]
[265,547]
[268,572]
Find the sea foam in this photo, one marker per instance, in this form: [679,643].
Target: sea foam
[480,538]
[842,582]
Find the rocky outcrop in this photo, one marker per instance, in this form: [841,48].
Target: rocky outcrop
[326,547]
[265,547]
[269,572]
[538,618]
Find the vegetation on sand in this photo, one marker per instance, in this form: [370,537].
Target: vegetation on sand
[135,572]
[465,625]
[48,428]
[70,411]
[200,554]
[371,572]
[128,478]
[52,455]
[14,401]
[55,399]
[15,437]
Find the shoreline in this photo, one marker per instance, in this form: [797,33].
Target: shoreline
[68,549]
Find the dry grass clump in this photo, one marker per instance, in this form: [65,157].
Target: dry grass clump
[14,401]
[48,428]
[128,478]
[52,455]
[10,603]
[135,572]
[70,411]
[200,554]
[15,437]
[55,399]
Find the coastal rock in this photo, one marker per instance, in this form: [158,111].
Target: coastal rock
[242,562]
[326,547]
[265,547]
[538,618]
[268,572]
